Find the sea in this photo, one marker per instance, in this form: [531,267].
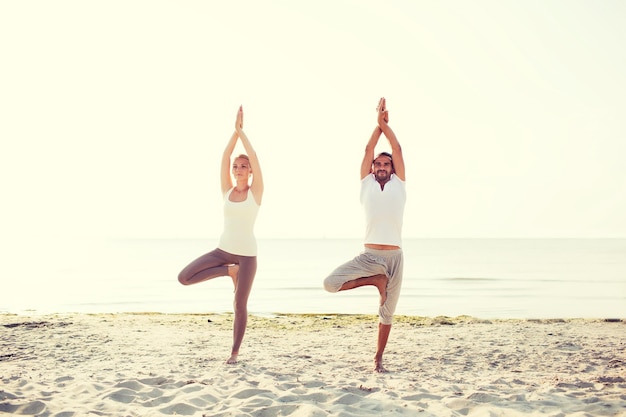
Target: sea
[484,278]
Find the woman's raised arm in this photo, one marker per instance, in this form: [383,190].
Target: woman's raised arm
[257,175]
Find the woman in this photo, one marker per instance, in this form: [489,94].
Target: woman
[235,255]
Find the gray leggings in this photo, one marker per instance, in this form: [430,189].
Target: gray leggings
[215,264]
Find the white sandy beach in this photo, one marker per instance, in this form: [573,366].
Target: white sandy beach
[301,365]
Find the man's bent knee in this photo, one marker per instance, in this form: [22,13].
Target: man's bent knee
[330,285]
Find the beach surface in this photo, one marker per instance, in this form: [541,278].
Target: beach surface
[309,365]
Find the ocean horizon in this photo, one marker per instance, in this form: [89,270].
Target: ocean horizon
[486,278]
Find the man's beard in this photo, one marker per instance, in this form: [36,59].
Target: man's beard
[382,175]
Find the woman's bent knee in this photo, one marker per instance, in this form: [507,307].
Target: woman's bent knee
[182,278]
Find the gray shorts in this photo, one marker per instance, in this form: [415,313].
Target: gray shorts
[372,262]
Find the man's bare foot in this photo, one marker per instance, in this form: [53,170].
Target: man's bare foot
[381,284]
[233,273]
[378,366]
[233,359]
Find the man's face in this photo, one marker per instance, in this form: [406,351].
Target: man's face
[382,168]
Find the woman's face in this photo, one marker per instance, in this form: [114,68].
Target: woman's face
[241,168]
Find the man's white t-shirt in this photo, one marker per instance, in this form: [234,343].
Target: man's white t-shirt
[384,210]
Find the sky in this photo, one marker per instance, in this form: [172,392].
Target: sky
[115,115]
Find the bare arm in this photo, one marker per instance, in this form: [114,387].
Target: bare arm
[396,149]
[226,180]
[368,158]
[257,175]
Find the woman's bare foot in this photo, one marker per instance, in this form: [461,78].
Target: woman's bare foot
[233,273]
[233,359]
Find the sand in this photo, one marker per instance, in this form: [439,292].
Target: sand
[318,365]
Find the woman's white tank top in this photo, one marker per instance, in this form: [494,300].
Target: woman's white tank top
[239,218]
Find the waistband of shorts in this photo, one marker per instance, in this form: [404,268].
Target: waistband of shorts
[381,252]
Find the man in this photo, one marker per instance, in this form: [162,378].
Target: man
[383,197]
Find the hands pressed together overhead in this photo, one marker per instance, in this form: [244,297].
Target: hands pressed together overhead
[239,120]
[383,113]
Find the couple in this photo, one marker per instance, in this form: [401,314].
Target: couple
[380,264]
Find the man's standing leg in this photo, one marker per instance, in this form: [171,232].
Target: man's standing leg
[394,264]
[383,336]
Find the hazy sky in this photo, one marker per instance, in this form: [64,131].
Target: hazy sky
[115,115]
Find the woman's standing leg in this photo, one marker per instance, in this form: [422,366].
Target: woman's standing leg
[245,278]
